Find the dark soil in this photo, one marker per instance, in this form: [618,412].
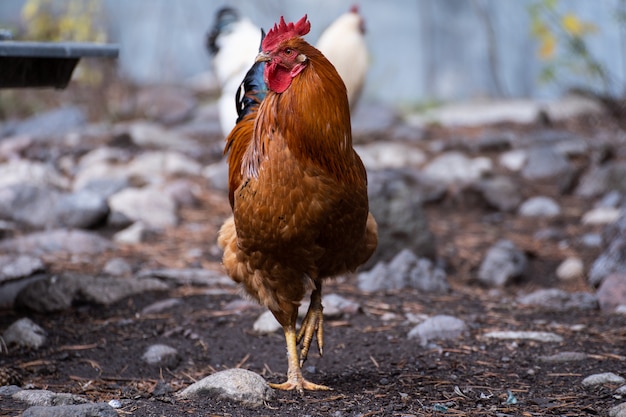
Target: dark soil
[374,369]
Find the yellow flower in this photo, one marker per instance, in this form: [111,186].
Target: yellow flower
[547,46]
[574,26]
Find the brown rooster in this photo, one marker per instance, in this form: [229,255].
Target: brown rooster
[297,188]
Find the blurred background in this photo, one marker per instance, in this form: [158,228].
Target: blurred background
[421,51]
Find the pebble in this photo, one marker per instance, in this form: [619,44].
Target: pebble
[236,384]
[24,332]
[56,241]
[266,323]
[456,168]
[514,160]
[383,155]
[148,205]
[161,355]
[570,269]
[161,306]
[539,206]
[603,378]
[405,271]
[117,267]
[618,411]
[555,299]
[601,215]
[133,234]
[13,267]
[524,335]
[441,327]
[502,264]
[612,292]
[46,398]
[79,410]
[544,162]
[563,357]
[500,192]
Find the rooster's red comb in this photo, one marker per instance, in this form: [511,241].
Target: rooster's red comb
[283,31]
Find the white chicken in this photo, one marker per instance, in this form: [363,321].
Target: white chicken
[234,44]
[343,43]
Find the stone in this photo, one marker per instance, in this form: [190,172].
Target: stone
[383,155]
[236,384]
[619,410]
[456,168]
[19,171]
[135,233]
[83,209]
[51,124]
[46,398]
[500,192]
[564,357]
[524,335]
[56,241]
[539,206]
[544,162]
[117,267]
[78,410]
[514,160]
[404,271]
[266,323]
[555,299]
[13,267]
[161,355]
[24,332]
[166,104]
[30,205]
[148,205]
[611,260]
[154,166]
[601,215]
[612,292]
[502,264]
[441,327]
[603,378]
[570,269]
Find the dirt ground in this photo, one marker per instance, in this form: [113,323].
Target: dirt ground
[374,369]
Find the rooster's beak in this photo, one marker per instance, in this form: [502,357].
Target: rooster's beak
[262,57]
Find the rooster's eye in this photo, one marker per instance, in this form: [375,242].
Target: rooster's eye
[288,51]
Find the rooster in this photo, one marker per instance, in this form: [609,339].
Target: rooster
[232,43]
[297,189]
[233,40]
[343,44]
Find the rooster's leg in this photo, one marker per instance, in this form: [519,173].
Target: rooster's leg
[295,380]
[312,325]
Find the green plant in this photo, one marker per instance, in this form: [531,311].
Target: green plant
[563,44]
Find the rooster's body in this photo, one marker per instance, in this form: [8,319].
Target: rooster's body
[297,188]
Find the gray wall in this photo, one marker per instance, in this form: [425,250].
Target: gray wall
[422,50]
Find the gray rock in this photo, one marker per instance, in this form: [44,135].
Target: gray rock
[570,269]
[236,384]
[564,357]
[161,306]
[612,292]
[382,155]
[405,271]
[153,166]
[135,233]
[618,411]
[601,215]
[266,323]
[148,205]
[441,327]
[26,333]
[117,267]
[82,210]
[601,179]
[19,171]
[190,276]
[540,206]
[30,205]
[217,174]
[78,410]
[500,192]
[13,267]
[161,355]
[456,168]
[502,264]
[396,199]
[59,292]
[603,378]
[514,160]
[336,306]
[106,187]
[524,335]
[45,398]
[558,300]
[147,134]
[56,241]
[545,162]
[51,124]
[611,260]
